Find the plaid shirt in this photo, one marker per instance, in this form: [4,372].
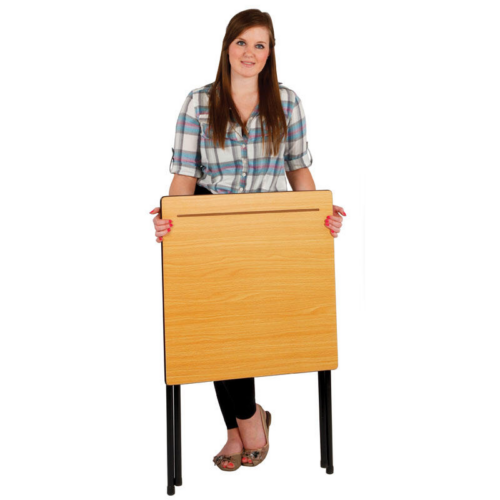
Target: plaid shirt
[242,167]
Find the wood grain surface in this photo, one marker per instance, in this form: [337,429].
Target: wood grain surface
[248,286]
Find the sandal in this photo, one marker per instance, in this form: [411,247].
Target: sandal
[258,455]
[234,459]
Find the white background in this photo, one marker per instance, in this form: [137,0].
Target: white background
[402,105]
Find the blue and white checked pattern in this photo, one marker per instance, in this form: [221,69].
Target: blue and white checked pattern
[242,167]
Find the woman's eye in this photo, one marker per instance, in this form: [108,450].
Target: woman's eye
[258,45]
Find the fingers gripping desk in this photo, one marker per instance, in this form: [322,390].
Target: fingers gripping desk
[248,291]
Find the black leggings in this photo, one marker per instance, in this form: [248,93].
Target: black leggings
[236,397]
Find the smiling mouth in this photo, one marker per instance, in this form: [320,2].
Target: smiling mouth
[247,63]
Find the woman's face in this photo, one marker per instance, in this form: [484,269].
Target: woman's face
[250,46]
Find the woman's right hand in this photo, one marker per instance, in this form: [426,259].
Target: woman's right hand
[162,226]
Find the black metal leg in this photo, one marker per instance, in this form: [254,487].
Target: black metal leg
[170,441]
[328,414]
[177,419]
[322,418]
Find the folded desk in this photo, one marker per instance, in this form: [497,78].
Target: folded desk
[248,291]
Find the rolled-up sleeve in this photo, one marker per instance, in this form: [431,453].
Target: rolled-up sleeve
[297,154]
[186,157]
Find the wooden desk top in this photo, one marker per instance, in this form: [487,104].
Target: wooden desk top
[248,286]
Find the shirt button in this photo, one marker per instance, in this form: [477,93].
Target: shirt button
[244,147]
[241,189]
[244,173]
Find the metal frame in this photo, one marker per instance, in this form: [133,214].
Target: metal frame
[174,455]
[174,448]
[325,419]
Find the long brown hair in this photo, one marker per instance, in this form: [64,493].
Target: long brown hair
[272,117]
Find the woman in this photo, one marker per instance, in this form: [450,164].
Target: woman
[242,134]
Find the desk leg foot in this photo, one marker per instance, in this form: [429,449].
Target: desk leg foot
[170,490]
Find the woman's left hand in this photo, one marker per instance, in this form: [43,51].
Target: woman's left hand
[334,222]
